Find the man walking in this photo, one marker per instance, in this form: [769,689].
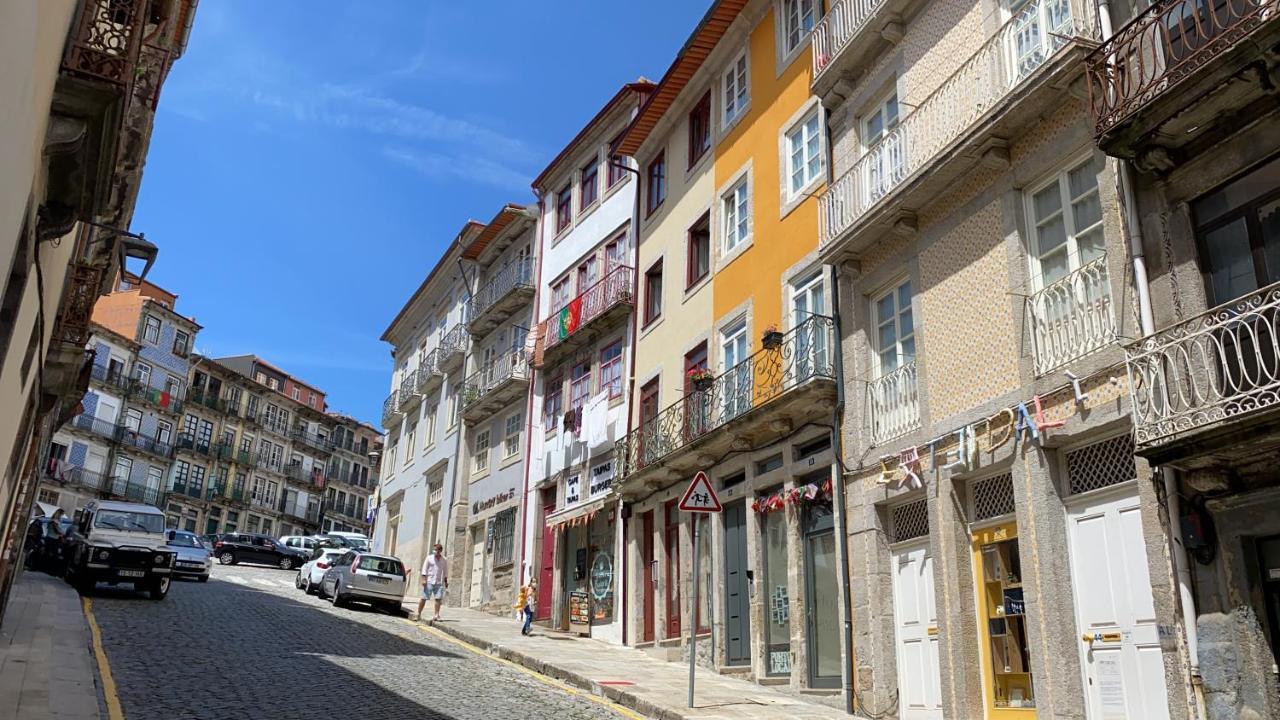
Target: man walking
[435,578]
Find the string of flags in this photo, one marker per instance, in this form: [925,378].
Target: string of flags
[959,448]
[802,495]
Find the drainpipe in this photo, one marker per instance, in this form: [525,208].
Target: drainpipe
[635,337]
[1183,570]
[837,495]
[528,570]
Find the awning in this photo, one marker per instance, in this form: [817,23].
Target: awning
[579,514]
[45,510]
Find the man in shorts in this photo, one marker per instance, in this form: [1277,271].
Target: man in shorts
[435,578]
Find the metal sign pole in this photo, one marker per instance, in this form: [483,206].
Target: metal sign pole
[693,613]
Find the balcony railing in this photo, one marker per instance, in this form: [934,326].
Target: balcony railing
[514,276]
[187,489]
[428,369]
[1221,365]
[111,377]
[806,353]
[124,489]
[161,399]
[409,389]
[68,473]
[452,347]
[893,404]
[128,436]
[1072,317]
[97,426]
[841,23]
[390,408]
[509,366]
[107,40]
[245,458]
[614,289]
[312,476]
[215,492]
[1000,66]
[1163,45]
[312,440]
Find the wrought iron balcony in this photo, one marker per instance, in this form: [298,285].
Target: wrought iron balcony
[245,459]
[391,409]
[109,377]
[186,489]
[119,488]
[893,404]
[310,476]
[428,372]
[188,441]
[1174,55]
[107,41]
[494,387]
[264,461]
[97,426]
[1208,376]
[1072,317]
[130,437]
[238,495]
[569,327]
[409,394]
[452,348]
[204,398]
[312,440]
[998,91]
[157,398]
[74,474]
[507,291]
[215,492]
[777,387]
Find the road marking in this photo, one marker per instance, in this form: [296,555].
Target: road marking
[265,581]
[576,692]
[235,579]
[114,711]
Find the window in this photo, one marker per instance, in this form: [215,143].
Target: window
[455,407]
[58,451]
[895,329]
[181,471]
[503,533]
[887,163]
[511,441]
[737,215]
[48,497]
[480,455]
[735,89]
[588,274]
[274,384]
[429,429]
[124,468]
[553,405]
[653,293]
[196,488]
[181,343]
[311,399]
[173,386]
[142,373]
[611,369]
[151,329]
[800,16]
[164,431]
[133,419]
[564,208]
[1237,235]
[736,386]
[297,395]
[615,252]
[410,438]
[589,184]
[700,129]
[804,154]
[579,386]
[656,182]
[699,260]
[617,166]
[1066,219]
[561,294]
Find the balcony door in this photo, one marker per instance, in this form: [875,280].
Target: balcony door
[894,408]
[736,384]
[650,443]
[1065,215]
[886,151]
[807,300]
[697,404]
[1039,28]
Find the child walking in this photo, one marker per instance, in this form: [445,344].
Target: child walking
[525,604]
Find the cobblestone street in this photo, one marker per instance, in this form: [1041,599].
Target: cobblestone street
[248,644]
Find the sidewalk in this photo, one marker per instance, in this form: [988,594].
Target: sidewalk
[46,658]
[625,675]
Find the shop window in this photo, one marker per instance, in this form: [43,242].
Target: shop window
[503,534]
[1003,612]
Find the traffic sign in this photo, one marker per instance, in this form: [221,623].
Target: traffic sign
[700,497]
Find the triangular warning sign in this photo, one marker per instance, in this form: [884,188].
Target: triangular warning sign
[700,497]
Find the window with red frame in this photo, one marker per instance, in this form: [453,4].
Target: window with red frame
[589,185]
[653,293]
[617,170]
[656,187]
[561,293]
[699,251]
[615,252]
[611,370]
[564,208]
[700,129]
[553,404]
[579,387]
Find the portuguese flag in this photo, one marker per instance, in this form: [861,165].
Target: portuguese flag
[570,316]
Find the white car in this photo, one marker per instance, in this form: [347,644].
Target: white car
[355,541]
[312,571]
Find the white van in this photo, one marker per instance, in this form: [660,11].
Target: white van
[356,541]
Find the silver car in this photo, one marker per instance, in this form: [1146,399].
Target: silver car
[194,560]
[364,577]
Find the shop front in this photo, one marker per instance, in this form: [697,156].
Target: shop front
[493,548]
[585,535]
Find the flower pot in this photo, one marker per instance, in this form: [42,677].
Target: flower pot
[703,384]
[771,340]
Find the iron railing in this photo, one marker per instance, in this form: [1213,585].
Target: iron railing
[806,354]
[1000,66]
[312,440]
[1160,47]
[427,369]
[245,458]
[126,435]
[893,403]
[111,377]
[123,488]
[452,344]
[1222,364]
[837,28]
[156,397]
[107,40]
[215,492]
[409,388]
[615,288]
[508,366]
[312,476]
[390,408]
[187,489]
[1072,317]
[67,473]
[511,277]
[97,426]
[265,461]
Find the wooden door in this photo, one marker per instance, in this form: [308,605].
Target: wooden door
[547,568]
[646,563]
[671,544]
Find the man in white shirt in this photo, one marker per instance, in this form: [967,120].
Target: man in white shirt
[435,578]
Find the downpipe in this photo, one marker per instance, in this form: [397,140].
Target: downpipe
[837,496]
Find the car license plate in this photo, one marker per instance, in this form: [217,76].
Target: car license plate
[132,573]
[381,581]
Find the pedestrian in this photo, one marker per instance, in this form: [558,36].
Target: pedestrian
[525,604]
[435,578]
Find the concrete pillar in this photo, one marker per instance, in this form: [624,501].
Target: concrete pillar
[953,576]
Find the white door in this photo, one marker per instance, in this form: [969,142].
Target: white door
[1123,666]
[477,564]
[915,629]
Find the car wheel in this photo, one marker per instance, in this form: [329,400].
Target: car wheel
[297,581]
[337,599]
[286,563]
[159,588]
[309,587]
[203,578]
[227,558]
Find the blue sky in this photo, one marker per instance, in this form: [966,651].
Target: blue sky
[311,159]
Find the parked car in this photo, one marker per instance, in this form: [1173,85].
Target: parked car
[312,571]
[120,542]
[47,543]
[375,579]
[194,560]
[301,542]
[355,541]
[233,548]
[208,540]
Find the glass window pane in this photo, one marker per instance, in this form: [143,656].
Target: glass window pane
[1230,262]
[888,361]
[1051,235]
[1092,245]
[904,295]
[884,309]
[1084,178]
[1086,212]
[1053,266]
[905,322]
[1046,203]
[891,111]
[888,336]
[908,349]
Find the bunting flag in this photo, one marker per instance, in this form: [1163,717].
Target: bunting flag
[570,316]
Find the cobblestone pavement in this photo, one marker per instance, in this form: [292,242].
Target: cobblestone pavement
[247,644]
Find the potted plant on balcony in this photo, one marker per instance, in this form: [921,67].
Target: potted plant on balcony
[771,339]
[700,378]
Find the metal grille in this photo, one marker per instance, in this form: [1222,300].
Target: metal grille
[992,497]
[1101,464]
[910,520]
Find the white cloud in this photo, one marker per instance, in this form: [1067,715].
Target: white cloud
[469,168]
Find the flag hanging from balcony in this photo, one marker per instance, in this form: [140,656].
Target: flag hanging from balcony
[570,315]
